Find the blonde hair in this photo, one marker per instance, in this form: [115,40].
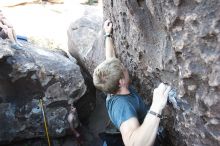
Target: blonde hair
[106,76]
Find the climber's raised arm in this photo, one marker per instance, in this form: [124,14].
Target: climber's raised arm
[109,47]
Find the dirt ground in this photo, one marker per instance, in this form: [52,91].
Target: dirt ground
[45,24]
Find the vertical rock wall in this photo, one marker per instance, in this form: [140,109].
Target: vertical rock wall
[176,42]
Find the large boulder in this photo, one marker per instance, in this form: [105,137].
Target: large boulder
[85,38]
[86,44]
[176,42]
[29,74]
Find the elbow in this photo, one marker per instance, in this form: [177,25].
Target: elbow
[134,139]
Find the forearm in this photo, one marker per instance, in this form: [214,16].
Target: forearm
[145,135]
[109,48]
[133,133]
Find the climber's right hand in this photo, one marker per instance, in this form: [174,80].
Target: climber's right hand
[160,96]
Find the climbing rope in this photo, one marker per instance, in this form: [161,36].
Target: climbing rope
[45,122]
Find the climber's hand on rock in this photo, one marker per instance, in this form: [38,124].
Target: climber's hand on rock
[108,26]
[160,96]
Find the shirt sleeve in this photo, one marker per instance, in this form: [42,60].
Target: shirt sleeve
[122,110]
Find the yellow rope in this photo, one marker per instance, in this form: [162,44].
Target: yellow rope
[45,123]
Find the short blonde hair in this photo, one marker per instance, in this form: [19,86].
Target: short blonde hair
[106,76]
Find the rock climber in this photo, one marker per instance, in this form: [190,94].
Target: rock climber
[137,123]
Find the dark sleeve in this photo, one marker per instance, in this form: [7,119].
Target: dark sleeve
[122,110]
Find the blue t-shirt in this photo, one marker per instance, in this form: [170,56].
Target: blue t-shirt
[123,107]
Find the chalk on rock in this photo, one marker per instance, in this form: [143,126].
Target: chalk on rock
[172,98]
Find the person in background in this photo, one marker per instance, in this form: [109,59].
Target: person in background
[7,30]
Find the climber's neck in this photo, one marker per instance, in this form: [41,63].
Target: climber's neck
[123,91]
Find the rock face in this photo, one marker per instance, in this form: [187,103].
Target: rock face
[176,42]
[30,74]
[85,38]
